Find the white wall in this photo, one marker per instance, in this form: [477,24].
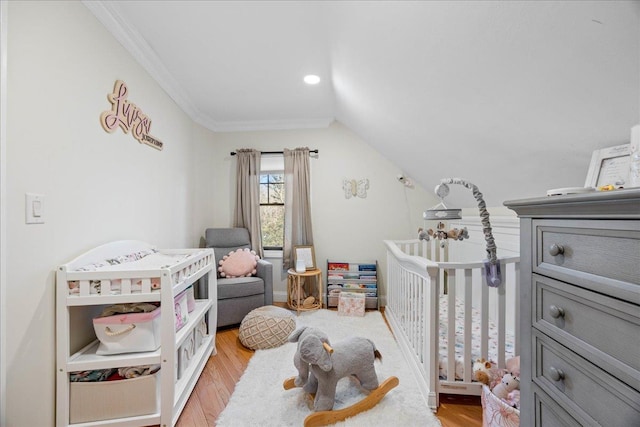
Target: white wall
[98,187]
[344,229]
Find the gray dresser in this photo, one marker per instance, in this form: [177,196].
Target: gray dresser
[580,309]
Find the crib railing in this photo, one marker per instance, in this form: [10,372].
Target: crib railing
[418,273]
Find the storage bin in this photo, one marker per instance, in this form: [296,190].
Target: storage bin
[200,333]
[191,299]
[104,400]
[181,309]
[136,332]
[496,412]
[128,333]
[185,354]
[351,304]
[370,302]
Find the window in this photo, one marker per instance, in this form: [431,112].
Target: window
[272,209]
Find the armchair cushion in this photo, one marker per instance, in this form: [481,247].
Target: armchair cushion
[239,263]
[240,287]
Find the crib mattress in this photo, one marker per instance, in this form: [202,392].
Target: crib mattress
[475,340]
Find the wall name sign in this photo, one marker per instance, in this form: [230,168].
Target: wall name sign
[128,117]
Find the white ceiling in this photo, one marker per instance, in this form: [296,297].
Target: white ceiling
[514,96]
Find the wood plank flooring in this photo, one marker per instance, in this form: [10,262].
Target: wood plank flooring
[222,371]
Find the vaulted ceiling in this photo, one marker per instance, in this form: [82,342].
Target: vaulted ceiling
[512,95]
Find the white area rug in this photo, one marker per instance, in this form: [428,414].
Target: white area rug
[259,398]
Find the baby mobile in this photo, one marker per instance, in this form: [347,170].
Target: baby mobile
[441,213]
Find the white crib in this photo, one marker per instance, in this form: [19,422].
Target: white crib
[420,281]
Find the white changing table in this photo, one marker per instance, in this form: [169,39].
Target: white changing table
[76,341]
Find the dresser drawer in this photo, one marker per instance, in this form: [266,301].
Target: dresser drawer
[599,255]
[582,388]
[548,413]
[604,330]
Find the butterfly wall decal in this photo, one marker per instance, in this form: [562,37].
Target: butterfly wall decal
[355,188]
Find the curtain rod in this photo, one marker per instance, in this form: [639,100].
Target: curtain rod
[233,153]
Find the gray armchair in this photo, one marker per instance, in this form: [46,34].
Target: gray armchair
[238,296]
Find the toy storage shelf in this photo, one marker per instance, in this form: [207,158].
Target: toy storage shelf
[360,277]
[167,391]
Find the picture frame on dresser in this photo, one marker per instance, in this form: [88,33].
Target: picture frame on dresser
[305,253]
[609,166]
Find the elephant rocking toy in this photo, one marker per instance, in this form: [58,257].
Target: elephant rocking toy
[321,365]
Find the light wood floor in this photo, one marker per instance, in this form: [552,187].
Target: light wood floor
[222,371]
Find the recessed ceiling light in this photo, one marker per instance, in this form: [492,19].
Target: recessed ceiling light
[311,79]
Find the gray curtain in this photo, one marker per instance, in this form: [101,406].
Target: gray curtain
[297,203]
[247,209]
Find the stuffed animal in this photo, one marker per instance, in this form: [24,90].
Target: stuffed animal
[485,372]
[422,234]
[305,378]
[441,234]
[513,399]
[352,356]
[513,366]
[462,234]
[506,386]
[457,234]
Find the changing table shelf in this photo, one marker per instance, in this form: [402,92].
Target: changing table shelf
[87,359]
[81,294]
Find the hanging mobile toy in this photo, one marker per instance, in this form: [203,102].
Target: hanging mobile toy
[492,271]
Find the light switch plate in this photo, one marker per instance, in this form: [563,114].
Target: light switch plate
[34,208]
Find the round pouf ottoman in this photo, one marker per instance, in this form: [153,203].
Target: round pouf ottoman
[266,327]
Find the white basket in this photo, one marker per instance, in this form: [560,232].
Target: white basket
[495,412]
[104,400]
[185,353]
[200,332]
[128,333]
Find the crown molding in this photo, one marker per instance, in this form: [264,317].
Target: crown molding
[144,54]
[141,52]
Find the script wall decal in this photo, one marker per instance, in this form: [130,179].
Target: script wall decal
[128,117]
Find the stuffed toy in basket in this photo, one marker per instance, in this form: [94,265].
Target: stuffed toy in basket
[497,413]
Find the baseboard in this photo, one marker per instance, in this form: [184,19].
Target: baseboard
[279,296]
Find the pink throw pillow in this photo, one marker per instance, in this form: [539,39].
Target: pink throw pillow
[239,263]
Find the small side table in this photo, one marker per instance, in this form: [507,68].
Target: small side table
[299,287]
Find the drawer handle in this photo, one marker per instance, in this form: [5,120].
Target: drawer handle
[556,374]
[556,312]
[556,249]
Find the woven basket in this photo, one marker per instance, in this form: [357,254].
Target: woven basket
[496,413]
[266,327]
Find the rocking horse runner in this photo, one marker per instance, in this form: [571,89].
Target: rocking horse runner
[320,366]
